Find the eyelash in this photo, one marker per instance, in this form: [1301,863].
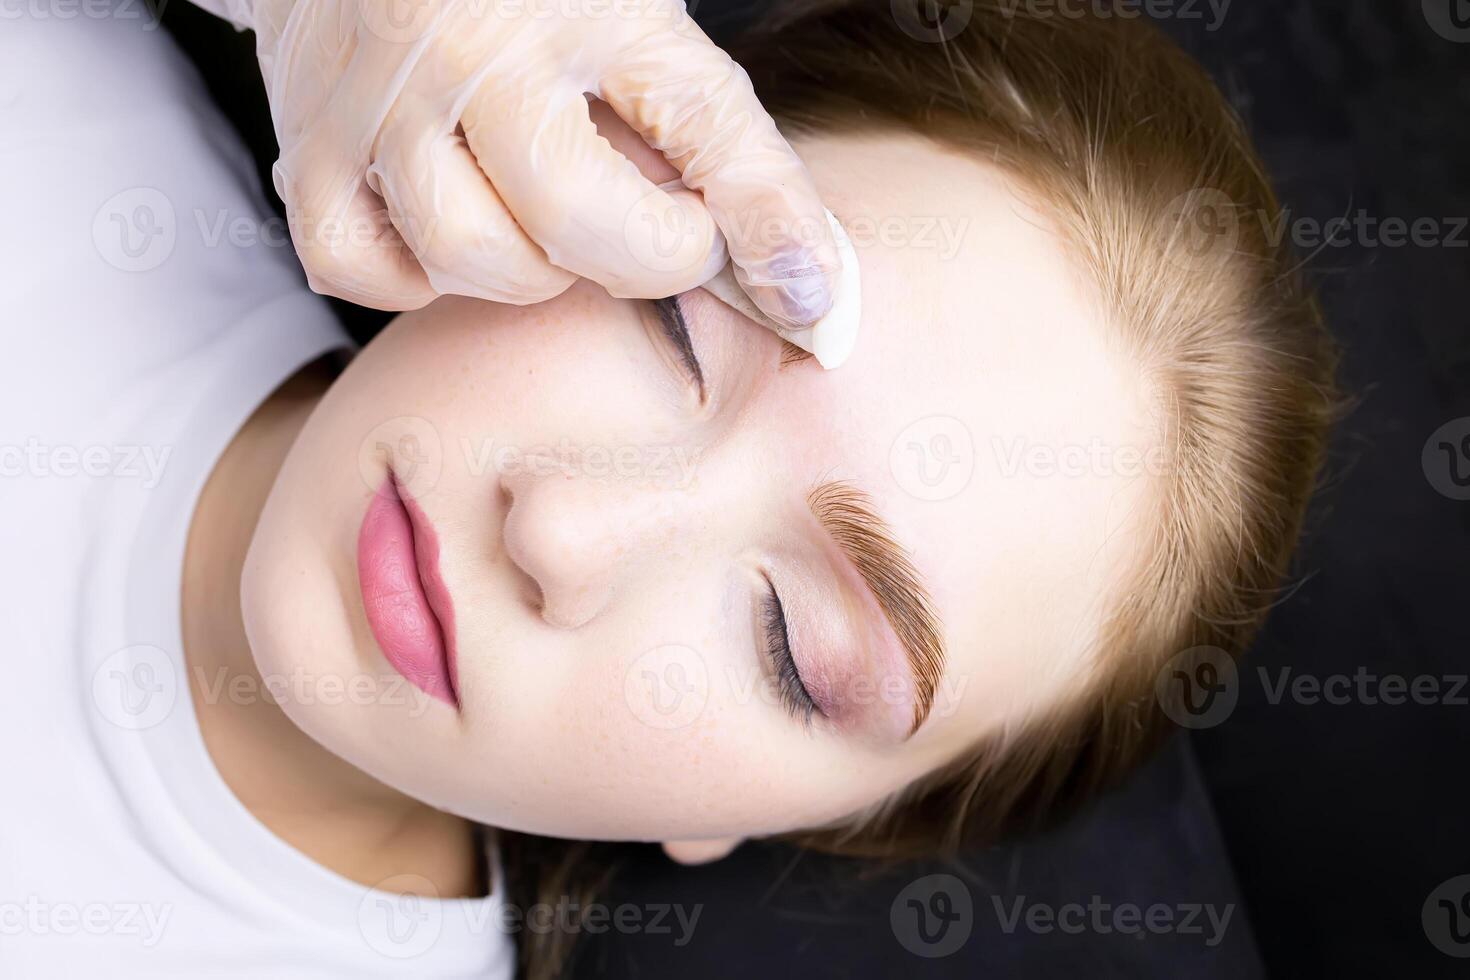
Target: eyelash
[794,696]
[671,318]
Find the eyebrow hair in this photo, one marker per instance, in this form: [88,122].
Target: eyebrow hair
[671,319]
[791,354]
[884,565]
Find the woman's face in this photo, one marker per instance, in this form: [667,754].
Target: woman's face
[613,535]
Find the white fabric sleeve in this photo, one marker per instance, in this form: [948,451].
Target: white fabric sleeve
[135,224]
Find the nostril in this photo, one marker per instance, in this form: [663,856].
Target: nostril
[533,595]
[528,587]
[530,590]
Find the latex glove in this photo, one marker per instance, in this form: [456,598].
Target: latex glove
[460,128]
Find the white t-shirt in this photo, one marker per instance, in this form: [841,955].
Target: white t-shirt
[147,309]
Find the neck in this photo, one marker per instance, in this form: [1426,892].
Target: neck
[315,801]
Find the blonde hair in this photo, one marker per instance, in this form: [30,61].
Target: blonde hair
[1141,162]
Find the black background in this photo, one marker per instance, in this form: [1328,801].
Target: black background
[1340,820]
[1328,824]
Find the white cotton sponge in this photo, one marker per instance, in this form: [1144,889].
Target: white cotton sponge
[831,338]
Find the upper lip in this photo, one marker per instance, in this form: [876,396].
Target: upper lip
[431,581]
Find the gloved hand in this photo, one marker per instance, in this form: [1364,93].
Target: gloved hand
[460,128]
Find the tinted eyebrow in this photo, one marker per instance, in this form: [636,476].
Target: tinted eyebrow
[791,354]
[884,566]
[671,319]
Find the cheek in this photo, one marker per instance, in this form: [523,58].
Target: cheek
[657,724]
[580,367]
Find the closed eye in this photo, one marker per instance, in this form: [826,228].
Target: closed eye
[671,319]
[795,696]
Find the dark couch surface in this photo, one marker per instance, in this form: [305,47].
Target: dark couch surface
[1336,820]
[1074,903]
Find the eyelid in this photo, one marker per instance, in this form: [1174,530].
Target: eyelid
[796,697]
[790,353]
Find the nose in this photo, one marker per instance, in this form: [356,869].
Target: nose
[582,537]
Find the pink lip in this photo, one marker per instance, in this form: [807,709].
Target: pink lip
[408,608]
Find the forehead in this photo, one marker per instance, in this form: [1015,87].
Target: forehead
[987,409]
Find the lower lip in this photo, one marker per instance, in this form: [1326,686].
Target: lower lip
[408,608]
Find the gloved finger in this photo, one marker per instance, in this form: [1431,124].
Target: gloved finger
[345,237]
[585,204]
[342,230]
[445,207]
[303,50]
[461,232]
[693,103]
